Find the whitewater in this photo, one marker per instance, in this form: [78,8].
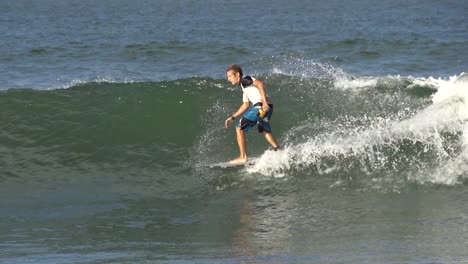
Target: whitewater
[373,141]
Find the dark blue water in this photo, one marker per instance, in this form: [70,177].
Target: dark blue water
[111,112]
[50,44]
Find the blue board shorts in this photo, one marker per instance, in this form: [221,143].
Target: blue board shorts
[252,118]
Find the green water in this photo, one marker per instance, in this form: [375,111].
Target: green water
[117,173]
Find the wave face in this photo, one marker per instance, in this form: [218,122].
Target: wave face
[369,132]
[383,133]
[100,131]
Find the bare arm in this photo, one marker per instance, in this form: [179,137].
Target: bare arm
[244,106]
[262,88]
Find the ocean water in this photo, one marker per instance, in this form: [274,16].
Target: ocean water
[111,112]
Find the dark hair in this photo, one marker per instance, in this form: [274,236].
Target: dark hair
[235,68]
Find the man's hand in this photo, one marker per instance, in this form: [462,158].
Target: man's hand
[228,121]
[265,106]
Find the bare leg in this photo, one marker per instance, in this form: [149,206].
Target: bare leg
[242,146]
[271,139]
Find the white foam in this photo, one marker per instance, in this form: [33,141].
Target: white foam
[447,114]
[98,79]
[451,172]
[454,86]
[306,68]
[355,83]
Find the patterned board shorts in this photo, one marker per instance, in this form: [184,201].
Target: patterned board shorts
[252,118]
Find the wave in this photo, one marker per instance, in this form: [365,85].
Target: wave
[367,128]
[426,144]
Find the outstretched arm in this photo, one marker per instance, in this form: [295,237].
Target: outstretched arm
[240,111]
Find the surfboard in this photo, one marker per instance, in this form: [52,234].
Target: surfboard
[228,165]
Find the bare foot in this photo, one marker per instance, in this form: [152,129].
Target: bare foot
[278,148]
[238,160]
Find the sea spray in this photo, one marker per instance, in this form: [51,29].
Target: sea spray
[416,145]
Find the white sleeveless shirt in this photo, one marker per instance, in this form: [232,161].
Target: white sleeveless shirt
[251,93]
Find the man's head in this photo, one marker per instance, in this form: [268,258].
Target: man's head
[234,74]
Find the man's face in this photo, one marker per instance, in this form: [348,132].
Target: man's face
[233,77]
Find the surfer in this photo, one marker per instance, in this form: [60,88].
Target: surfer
[256,109]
